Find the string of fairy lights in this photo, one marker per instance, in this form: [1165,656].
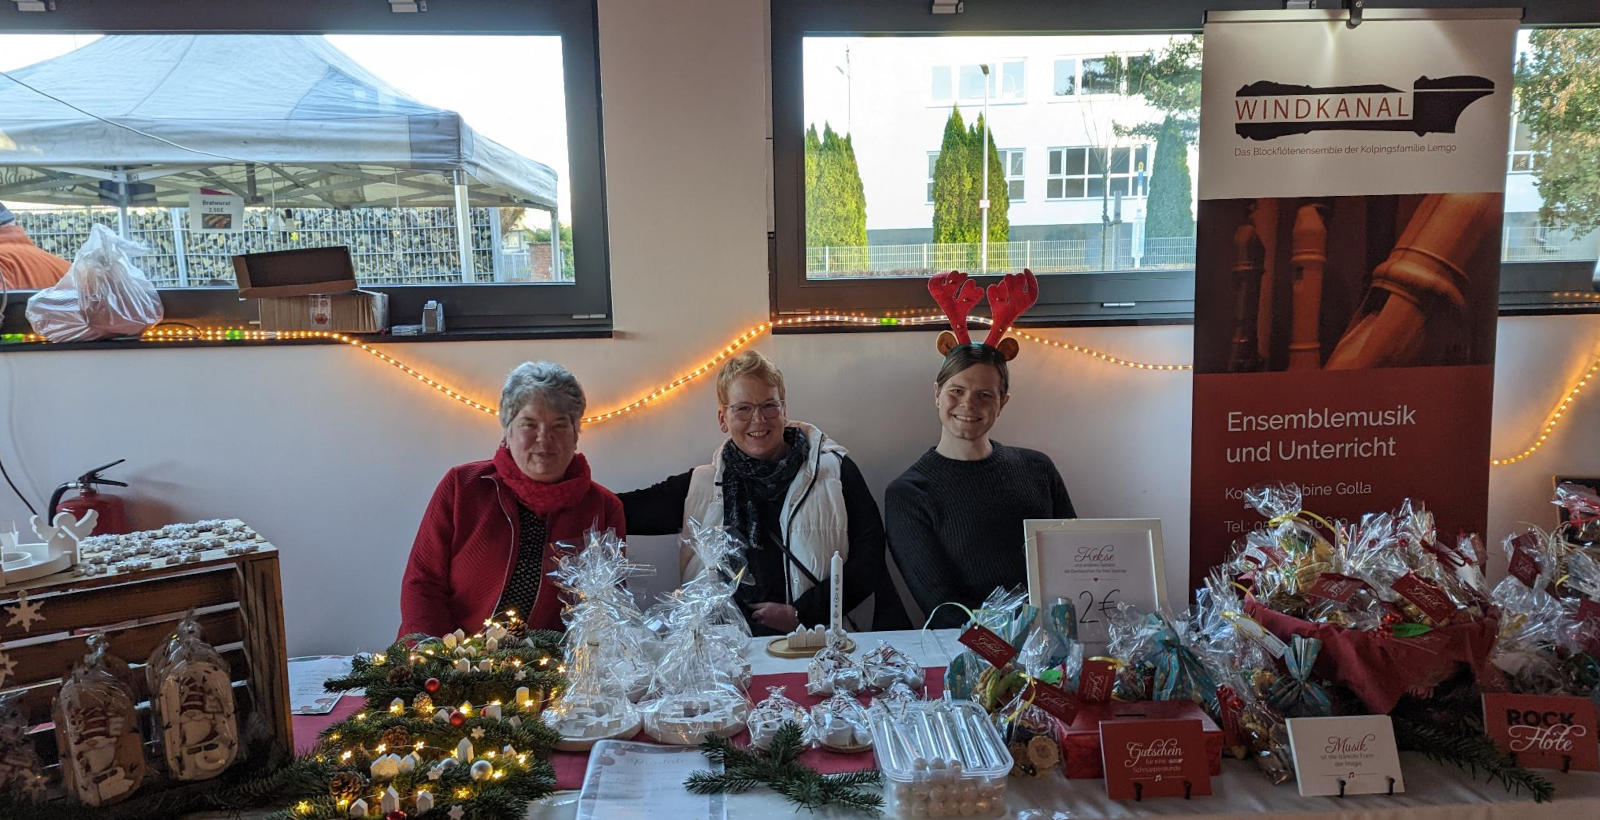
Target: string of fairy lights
[233,334]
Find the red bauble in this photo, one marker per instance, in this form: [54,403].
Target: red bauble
[395,815]
[456,718]
[431,684]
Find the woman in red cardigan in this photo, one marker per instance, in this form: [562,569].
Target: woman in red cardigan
[490,536]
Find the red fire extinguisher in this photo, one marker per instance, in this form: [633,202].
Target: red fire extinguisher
[113,518]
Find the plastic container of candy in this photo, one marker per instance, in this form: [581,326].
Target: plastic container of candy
[940,758]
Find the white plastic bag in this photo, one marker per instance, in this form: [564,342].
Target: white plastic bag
[103,294]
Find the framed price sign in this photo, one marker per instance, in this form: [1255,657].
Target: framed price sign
[1094,563]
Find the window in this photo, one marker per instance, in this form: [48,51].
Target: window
[933,160]
[382,137]
[1099,76]
[1524,159]
[1073,225]
[1079,173]
[1012,160]
[1006,82]
[1066,84]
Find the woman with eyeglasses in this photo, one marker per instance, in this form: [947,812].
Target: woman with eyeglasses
[793,496]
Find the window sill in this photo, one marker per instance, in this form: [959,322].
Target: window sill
[134,343]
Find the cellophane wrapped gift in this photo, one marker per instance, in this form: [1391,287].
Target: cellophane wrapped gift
[1396,608]
[1007,614]
[1163,657]
[832,670]
[1033,735]
[697,688]
[1549,603]
[884,666]
[601,610]
[776,709]
[97,731]
[192,701]
[1246,661]
[840,724]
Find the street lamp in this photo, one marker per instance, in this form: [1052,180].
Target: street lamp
[983,193]
[849,92]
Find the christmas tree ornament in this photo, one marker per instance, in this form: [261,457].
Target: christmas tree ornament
[431,685]
[424,801]
[97,731]
[422,703]
[358,808]
[481,770]
[457,718]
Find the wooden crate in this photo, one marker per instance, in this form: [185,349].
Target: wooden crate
[239,604]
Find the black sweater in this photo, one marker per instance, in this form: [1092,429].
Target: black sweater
[955,527]
[658,510]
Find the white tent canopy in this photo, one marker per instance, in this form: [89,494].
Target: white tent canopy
[281,120]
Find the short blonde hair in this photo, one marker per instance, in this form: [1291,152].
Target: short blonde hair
[749,363]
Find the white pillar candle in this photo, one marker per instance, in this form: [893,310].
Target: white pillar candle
[836,587]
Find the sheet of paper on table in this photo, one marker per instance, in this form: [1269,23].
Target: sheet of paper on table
[306,674]
[643,781]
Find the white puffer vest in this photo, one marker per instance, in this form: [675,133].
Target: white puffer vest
[813,520]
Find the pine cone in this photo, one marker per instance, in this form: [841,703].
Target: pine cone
[396,738]
[346,785]
[422,703]
[399,674]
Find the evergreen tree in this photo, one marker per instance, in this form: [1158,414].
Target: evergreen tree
[999,197]
[1167,212]
[814,200]
[954,221]
[836,206]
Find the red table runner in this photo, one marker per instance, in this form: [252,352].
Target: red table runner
[570,766]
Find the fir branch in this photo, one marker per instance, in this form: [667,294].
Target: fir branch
[780,769]
[1472,752]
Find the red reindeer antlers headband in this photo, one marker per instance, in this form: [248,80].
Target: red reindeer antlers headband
[1009,298]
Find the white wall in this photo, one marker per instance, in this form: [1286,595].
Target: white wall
[332,455]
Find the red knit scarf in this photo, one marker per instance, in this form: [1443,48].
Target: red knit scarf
[537,496]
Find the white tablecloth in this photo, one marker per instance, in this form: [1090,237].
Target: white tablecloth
[1433,792]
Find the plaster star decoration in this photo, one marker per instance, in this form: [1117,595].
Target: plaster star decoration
[8,667]
[435,773]
[25,613]
[477,733]
[522,674]
[456,812]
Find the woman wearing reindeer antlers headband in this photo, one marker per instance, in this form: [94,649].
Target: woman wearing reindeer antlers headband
[791,494]
[954,518]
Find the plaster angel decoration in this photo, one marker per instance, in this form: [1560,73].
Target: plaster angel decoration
[21,771]
[97,731]
[199,730]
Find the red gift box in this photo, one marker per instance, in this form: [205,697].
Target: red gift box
[1080,745]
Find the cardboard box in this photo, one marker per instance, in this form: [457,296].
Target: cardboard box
[356,311]
[310,289]
[298,272]
[1080,746]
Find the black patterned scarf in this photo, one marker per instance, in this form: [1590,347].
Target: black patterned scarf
[748,483]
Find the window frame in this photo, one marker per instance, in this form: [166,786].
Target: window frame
[582,307]
[1020,178]
[1108,298]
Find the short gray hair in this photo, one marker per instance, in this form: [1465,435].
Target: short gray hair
[545,382]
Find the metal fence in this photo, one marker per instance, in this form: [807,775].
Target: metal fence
[1040,256]
[1518,244]
[388,246]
